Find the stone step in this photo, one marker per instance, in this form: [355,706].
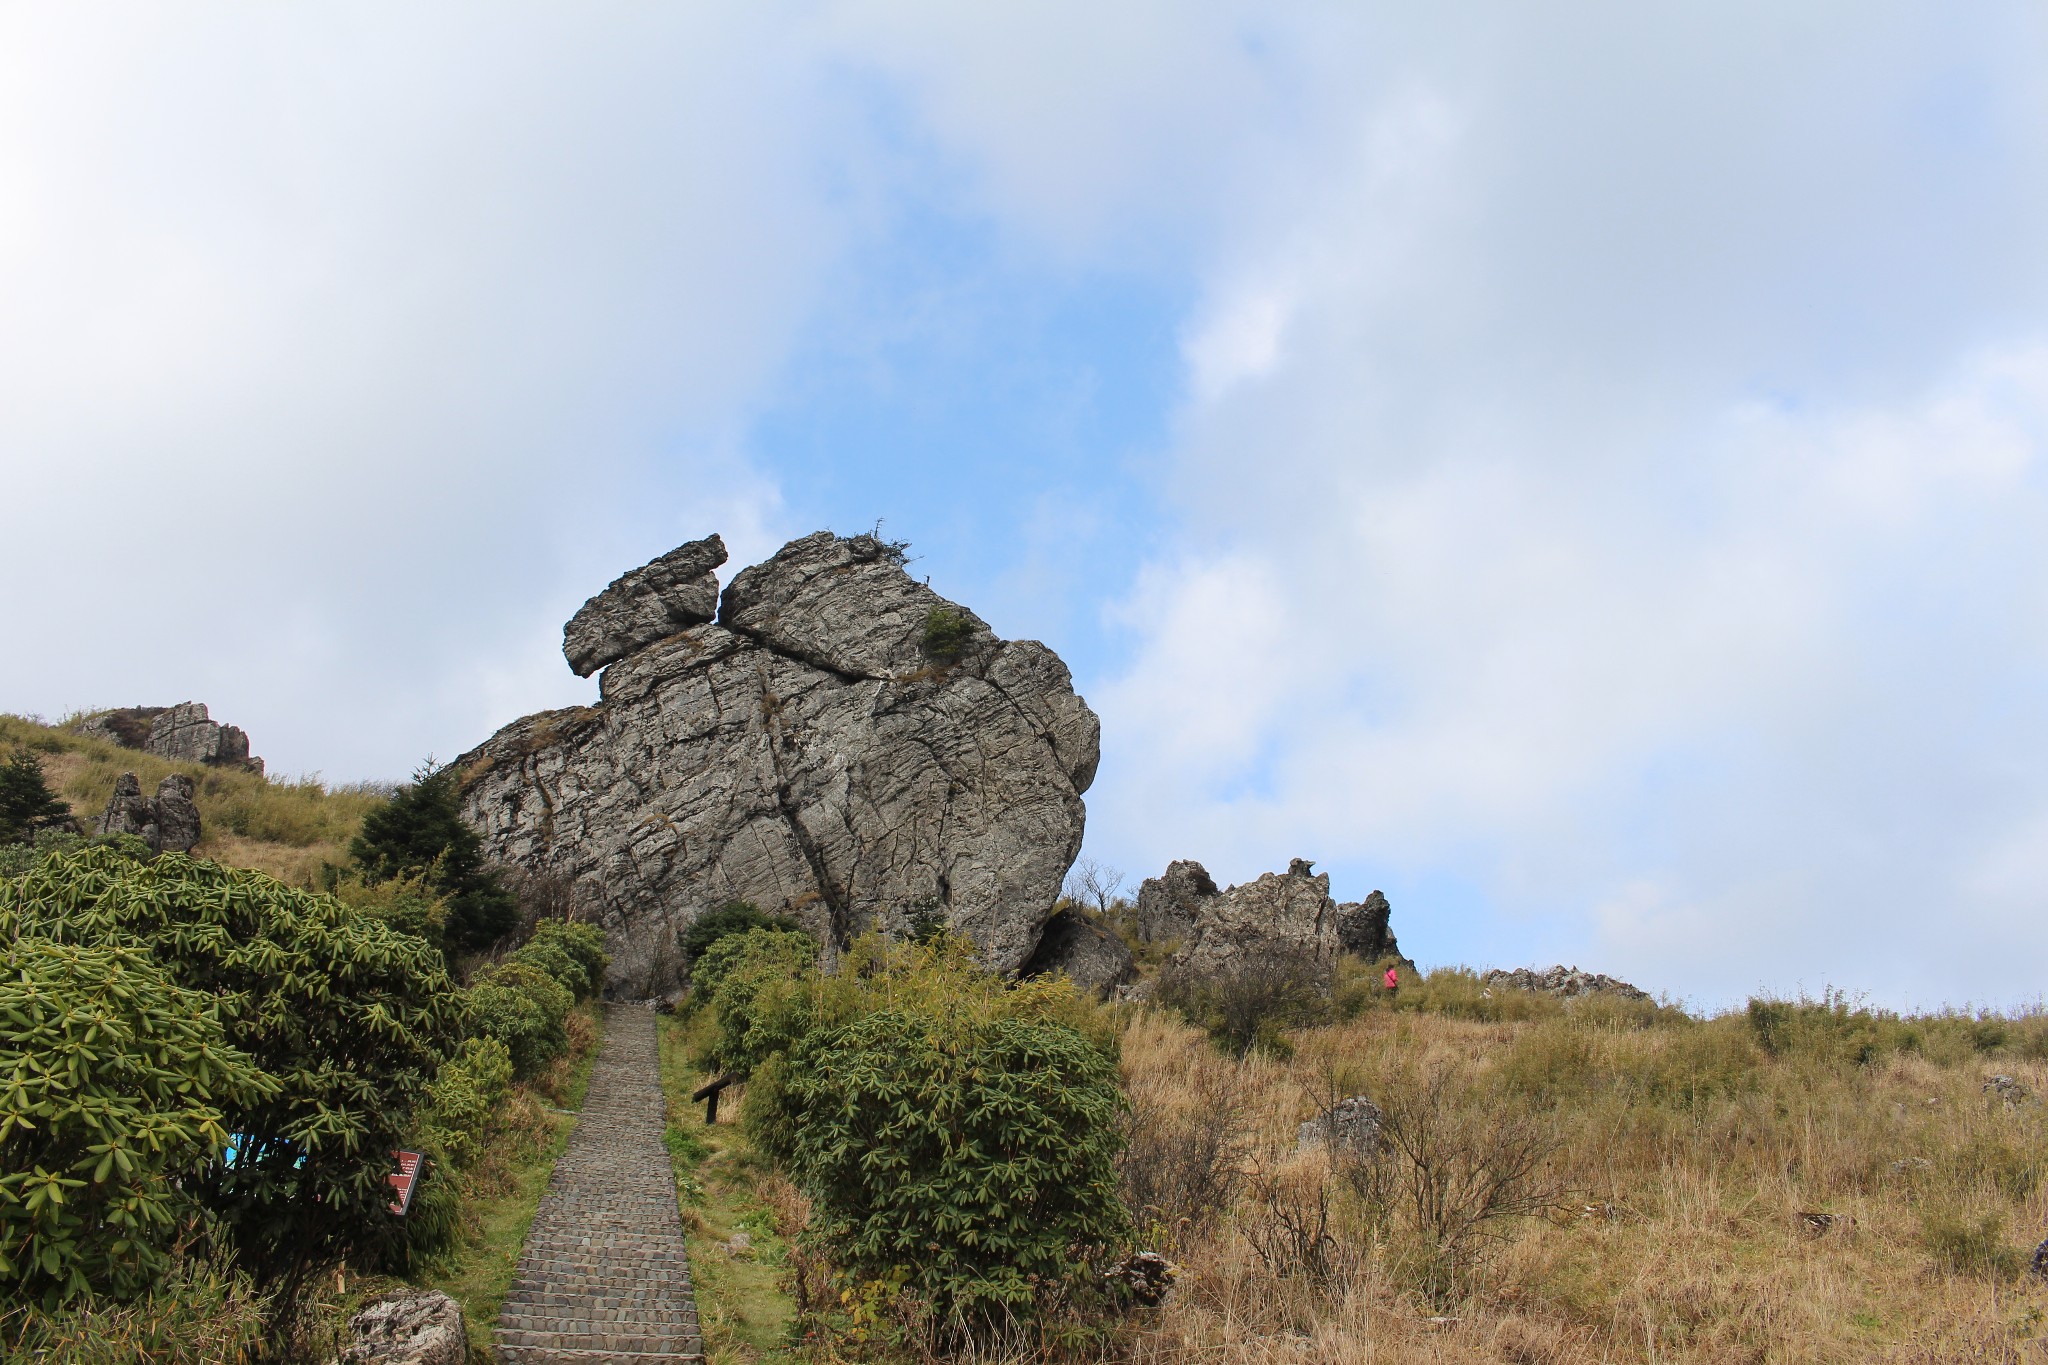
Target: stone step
[605,1274]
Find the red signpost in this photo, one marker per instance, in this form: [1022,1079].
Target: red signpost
[404,1179]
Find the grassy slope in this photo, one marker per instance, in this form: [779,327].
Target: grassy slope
[1686,1156]
[742,1300]
[285,828]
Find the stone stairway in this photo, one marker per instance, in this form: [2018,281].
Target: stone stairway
[604,1276]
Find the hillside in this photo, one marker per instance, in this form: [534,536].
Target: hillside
[286,827]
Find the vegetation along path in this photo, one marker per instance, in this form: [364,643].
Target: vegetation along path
[605,1275]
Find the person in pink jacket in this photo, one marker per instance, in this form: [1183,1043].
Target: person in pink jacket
[1393,982]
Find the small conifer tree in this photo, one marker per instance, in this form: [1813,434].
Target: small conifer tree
[26,802]
[421,832]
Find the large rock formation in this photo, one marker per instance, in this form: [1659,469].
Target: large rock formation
[843,745]
[183,733]
[1289,912]
[167,822]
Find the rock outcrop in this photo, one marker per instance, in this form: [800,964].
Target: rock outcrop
[417,1327]
[1167,904]
[1363,928]
[673,593]
[167,822]
[1350,1126]
[1289,912]
[183,733]
[1566,983]
[1095,959]
[842,745]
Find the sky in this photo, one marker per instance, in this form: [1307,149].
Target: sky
[1582,469]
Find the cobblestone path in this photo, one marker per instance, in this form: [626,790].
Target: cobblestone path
[604,1275]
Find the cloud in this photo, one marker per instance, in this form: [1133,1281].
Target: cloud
[343,353]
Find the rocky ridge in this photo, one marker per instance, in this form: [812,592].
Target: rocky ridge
[1289,911]
[184,733]
[840,743]
[1566,983]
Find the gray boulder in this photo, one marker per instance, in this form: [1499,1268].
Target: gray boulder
[812,753]
[654,601]
[1167,904]
[1351,1126]
[415,1327]
[1363,930]
[167,822]
[128,811]
[177,818]
[1093,958]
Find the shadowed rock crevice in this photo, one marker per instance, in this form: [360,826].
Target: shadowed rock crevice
[842,744]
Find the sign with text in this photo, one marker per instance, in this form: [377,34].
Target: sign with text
[404,1179]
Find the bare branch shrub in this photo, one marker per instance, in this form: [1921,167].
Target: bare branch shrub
[1184,1161]
[1453,1168]
[1248,1001]
[1293,1226]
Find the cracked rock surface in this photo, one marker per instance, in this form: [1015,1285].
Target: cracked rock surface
[843,745]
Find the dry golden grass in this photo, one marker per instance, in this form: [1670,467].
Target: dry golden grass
[1685,1158]
[287,827]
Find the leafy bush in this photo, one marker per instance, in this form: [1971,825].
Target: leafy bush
[734,917]
[969,1160]
[465,1097]
[958,1134]
[572,953]
[752,980]
[420,832]
[947,633]
[115,1085]
[407,904]
[525,1009]
[349,1017]
[1247,1002]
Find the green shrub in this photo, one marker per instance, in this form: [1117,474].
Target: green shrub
[971,1160]
[202,1310]
[734,917]
[113,1087]
[349,1017]
[947,633]
[753,982]
[1830,1030]
[571,954]
[958,1133]
[1248,1002]
[525,1009]
[465,1096]
[407,904]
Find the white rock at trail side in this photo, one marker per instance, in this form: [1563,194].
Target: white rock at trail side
[811,754]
